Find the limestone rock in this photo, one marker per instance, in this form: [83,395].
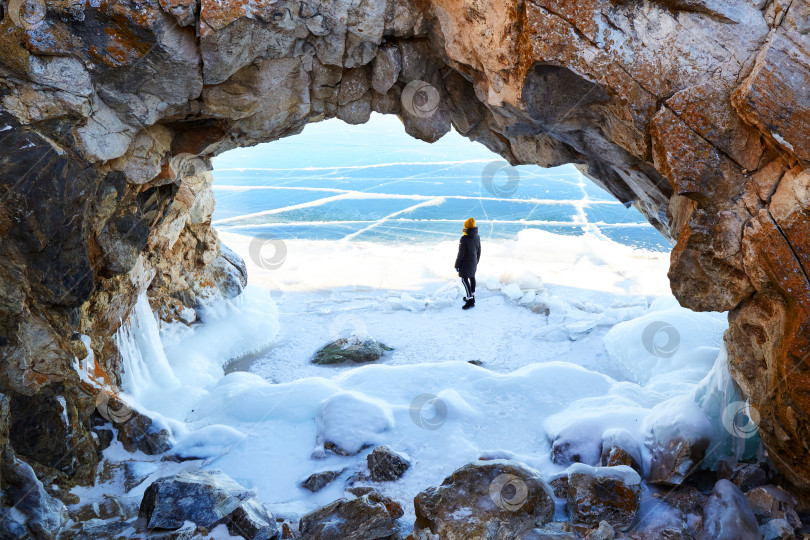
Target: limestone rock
[496,499]
[695,112]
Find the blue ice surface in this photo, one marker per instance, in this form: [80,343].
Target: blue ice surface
[335,180]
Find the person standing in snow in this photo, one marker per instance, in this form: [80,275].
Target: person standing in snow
[469,253]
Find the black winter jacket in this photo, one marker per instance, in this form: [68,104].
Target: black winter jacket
[469,253]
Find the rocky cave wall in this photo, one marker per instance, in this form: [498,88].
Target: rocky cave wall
[696,111]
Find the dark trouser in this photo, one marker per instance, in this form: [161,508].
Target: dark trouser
[469,286]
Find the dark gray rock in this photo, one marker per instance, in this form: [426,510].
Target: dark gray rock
[139,432]
[207,498]
[385,465]
[319,480]
[30,510]
[350,350]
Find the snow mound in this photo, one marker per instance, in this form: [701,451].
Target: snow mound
[352,421]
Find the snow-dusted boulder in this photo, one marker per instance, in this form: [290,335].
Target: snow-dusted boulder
[677,434]
[207,498]
[620,447]
[319,480]
[597,494]
[351,421]
[386,465]
[728,516]
[497,500]
[364,518]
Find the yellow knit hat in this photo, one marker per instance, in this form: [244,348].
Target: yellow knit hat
[470,223]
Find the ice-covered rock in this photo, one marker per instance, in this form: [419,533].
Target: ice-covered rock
[547,534]
[364,518]
[603,532]
[30,510]
[497,500]
[207,498]
[728,516]
[677,434]
[620,447]
[385,465]
[773,502]
[350,349]
[612,494]
[777,529]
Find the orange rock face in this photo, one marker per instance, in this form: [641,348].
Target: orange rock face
[697,112]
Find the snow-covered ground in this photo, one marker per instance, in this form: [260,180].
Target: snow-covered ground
[576,337]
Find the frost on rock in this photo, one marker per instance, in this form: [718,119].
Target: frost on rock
[597,494]
[497,499]
[364,518]
[728,516]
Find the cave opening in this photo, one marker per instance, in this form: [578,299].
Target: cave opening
[368,218]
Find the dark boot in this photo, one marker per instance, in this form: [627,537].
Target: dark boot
[470,302]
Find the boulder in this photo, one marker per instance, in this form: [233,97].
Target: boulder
[350,350]
[493,500]
[31,511]
[777,529]
[619,447]
[319,480]
[743,475]
[140,432]
[385,465]
[672,461]
[772,502]
[207,498]
[364,518]
[597,494]
[728,516]
[603,532]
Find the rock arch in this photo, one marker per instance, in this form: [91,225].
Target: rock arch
[696,112]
